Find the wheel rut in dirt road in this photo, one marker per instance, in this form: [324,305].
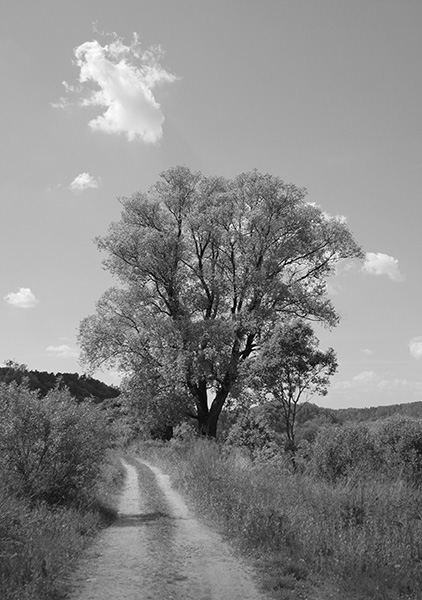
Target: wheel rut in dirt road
[158,549]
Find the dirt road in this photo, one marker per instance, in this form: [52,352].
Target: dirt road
[158,549]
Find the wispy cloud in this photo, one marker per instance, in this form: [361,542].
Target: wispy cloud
[124,77]
[377,263]
[23,298]
[61,103]
[370,382]
[84,181]
[62,351]
[415,347]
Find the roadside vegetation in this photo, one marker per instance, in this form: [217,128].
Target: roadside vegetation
[346,511]
[59,476]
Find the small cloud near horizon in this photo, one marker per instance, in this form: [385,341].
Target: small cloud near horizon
[62,351]
[377,263]
[123,77]
[415,347]
[84,181]
[23,298]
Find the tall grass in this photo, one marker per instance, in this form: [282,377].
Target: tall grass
[363,532]
[38,546]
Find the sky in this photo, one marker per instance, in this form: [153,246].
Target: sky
[98,98]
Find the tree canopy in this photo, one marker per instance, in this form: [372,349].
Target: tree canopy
[207,267]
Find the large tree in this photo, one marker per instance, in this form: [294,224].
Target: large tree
[207,267]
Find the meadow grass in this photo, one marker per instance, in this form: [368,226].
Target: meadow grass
[362,532]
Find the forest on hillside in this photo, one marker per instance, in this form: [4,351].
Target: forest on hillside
[80,387]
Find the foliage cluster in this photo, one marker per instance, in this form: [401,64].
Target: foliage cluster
[55,487]
[361,529]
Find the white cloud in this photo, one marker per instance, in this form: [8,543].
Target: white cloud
[327,216]
[61,103]
[63,351]
[415,347]
[377,263]
[84,181]
[367,351]
[124,78]
[23,298]
[365,377]
[361,380]
[333,289]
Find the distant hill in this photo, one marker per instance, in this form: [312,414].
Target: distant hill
[410,409]
[311,418]
[80,386]
[359,415]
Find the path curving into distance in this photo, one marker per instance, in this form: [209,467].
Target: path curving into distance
[158,549]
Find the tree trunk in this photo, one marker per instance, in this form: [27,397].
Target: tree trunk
[215,411]
[203,417]
[208,417]
[201,400]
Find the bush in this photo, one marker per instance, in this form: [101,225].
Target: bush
[252,433]
[400,440]
[339,452]
[392,449]
[50,448]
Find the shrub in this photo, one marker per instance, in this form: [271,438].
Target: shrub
[252,433]
[400,440]
[50,448]
[340,451]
